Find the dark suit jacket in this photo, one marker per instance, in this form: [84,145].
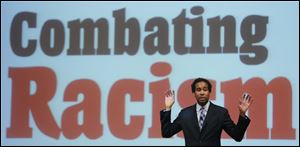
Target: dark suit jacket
[217,118]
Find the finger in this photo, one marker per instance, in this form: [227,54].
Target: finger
[169,92]
[244,95]
[166,92]
[240,101]
[250,101]
[248,97]
[242,98]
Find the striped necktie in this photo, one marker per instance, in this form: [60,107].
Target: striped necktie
[202,117]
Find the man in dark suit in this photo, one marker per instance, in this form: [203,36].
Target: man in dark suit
[203,122]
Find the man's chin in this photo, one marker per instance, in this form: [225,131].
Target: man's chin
[202,102]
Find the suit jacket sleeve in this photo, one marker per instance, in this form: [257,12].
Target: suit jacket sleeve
[236,131]
[168,129]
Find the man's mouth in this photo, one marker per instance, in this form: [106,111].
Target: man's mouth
[202,98]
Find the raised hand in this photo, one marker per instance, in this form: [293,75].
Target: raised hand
[245,102]
[169,99]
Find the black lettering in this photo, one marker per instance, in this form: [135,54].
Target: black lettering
[16,34]
[260,52]
[121,26]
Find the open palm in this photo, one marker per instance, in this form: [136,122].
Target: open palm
[245,102]
[169,99]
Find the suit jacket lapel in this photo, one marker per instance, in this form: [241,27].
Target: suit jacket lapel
[209,116]
[195,118]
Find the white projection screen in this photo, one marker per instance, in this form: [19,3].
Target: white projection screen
[95,73]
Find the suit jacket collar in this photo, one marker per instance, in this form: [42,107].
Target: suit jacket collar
[208,117]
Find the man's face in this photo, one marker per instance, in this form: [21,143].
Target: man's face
[202,93]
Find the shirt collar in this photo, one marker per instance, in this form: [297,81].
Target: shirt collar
[206,106]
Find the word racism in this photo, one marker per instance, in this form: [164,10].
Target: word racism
[127,36]
[38,103]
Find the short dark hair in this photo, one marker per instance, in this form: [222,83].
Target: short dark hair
[201,80]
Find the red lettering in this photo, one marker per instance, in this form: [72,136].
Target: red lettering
[90,106]
[116,109]
[157,89]
[23,102]
[282,106]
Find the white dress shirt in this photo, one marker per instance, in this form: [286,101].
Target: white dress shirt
[198,107]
